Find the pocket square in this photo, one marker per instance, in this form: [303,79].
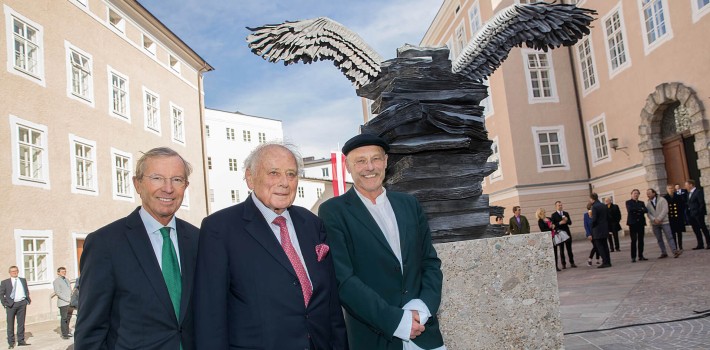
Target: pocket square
[321,251]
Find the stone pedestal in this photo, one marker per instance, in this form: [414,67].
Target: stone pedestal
[500,293]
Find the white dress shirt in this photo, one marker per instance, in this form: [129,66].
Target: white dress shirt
[19,289]
[153,227]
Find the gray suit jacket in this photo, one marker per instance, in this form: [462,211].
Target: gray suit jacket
[660,212]
[63,291]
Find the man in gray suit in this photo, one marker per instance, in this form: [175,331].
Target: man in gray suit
[63,291]
[600,230]
[657,207]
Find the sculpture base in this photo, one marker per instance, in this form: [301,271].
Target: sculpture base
[500,293]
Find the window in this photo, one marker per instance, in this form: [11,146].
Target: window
[178,124]
[319,192]
[151,103]
[235,196]
[301,193]
[149,45]
[487,103]
[230,134]
[540,77]
[599,145]
[262,137]
[550,148]
[121,169]
[116,21]
[495,158]
[700,9]
[118,95]
[207,130]
[232,164]
[246,135]
[24,45]
[450,45]
[83,165]
[615,34]
[587,67]
[174,64]
[460,39]
[30,163]
[474,17]
[209,163]
[656,23]
[211,195]
[34,250]
[80,80]
[185,200]
[325,171]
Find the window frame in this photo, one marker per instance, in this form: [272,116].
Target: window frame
[698,12]
[149,45]
[560,130]
[231,134]
[300,192]
[460,38]
[554,97]
[10,17]
[209,163]
[246,135]
[114,179]
[233,165]
[48,236]
[146,117]
[596,160]
[474,17]
[262,137]
[487,103]
[581,63]
[618,9]
[120,26]
[89,98]
[180,138]
[17,179]
[497,175]
[648,47]
[235,196]
[127,116]
[75,188]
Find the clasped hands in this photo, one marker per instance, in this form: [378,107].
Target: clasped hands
[417,327]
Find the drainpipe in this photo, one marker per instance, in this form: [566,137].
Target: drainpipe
[200,98]
[585,136]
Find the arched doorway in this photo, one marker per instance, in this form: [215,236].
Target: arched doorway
[673,122]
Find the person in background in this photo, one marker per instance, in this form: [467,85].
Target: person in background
[657,210]
[545,224]
[518,224]
[600,229]
[15,297]
[676,214]
[588,233]
[696,214]
[561,221]
[614,224]
[636,220]
[499,221]
[63,291]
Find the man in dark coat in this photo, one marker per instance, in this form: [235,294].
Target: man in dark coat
[600,229]
[696,214]
[636,220]
[676,213]
[561,221]
[614,224]
[15,297]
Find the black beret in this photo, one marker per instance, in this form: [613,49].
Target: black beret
[364,140]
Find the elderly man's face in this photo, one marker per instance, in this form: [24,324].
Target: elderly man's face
[274,179]
[367,166]
[607,200]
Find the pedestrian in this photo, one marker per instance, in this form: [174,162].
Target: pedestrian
[562,221]
[545,224]
[62,289]
[518,224]
[676,213]
[265,277]
[600,229]
[588,234]
[15,298]
[137,272]
[636,220]
[389,275]
[696,214]
[614,224]
[499,221]
[657,211]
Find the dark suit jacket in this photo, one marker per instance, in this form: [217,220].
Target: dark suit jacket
[6,290]
[515,229]
[124,301]
[556,218]
[635,211]
[247,294]
[696,204]
[600,223]
[614,218]
[372,286]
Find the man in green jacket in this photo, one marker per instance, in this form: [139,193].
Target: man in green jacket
[388,273]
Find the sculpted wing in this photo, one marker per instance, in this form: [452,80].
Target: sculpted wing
[539,26]
[317,39]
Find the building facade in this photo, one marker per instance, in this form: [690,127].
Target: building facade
[87,86]
[622,109]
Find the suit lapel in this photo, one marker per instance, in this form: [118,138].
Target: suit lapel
[187,266]
[137,237]
[358,210]
[259,229]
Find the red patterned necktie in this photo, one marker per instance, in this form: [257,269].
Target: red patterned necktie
[295,261]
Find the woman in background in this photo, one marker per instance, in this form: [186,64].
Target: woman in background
[545,225]
[588,231]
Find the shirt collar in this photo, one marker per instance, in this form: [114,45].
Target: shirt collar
[268,214]
[152,225]
[379,200]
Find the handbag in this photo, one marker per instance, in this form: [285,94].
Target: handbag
[560,237]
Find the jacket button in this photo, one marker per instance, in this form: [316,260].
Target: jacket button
[404,292]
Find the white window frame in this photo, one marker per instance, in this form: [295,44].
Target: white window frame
[120,25]
[554,97]
[487,103]
[618,9]
[246,135]
[207,130]
[495,157]
[604,195]
[459,38]
[174,63]
[230,134]
[38,76]
[699,12]
[560,130]
[89,98]
[127,116]
[148,44]
[48,236]
[17,179]
[262,137]
[301,192]
[114,179]
[235,196]
[146,115]
[209,163]
[211,195]
[93,189]
[325,172]
[474,18]
[589,62]
[177,131]
[233,165]
[596,159]
[185,205]
[648,47]
[450,45]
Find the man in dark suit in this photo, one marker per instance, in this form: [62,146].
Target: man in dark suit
[600,229]
[388,272]
[561,221]
[137,272]
[518,224]
[264,277]
[696,214]
[636,220]
[614,224]
[15,298]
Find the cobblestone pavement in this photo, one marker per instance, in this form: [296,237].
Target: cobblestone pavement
[652,292]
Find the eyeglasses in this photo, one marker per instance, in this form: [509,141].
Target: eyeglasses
[157,180]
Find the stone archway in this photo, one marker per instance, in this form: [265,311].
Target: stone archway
[650,133]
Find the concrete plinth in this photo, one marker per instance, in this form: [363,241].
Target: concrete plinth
[500,293]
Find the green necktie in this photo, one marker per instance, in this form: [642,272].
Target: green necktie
[171,270]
